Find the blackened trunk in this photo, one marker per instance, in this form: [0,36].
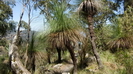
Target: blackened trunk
[31,62]
[71,51]
[29,21]
[59,54]
[92,38]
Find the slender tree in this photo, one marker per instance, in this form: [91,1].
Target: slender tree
[88,9]
[29,54]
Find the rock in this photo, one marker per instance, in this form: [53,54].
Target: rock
[91,59]
[65,73]
[63,68]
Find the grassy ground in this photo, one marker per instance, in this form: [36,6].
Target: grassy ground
[114,63]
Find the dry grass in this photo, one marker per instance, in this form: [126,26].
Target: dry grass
[125,42]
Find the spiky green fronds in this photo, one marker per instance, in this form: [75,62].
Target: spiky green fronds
[122,36]
[62,21]
[64,28]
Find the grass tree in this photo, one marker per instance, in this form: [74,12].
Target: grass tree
[88,9]
[122,36]
[64,32]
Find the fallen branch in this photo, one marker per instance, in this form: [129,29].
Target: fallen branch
[15,63]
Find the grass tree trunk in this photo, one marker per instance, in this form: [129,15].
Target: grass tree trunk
[92,38]
[71,51]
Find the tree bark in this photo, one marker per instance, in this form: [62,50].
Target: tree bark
[92,38]
[59,54]
[15,62]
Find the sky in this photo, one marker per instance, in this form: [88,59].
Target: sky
[36,24]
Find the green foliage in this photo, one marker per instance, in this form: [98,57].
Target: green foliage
[3,42]
[12,25]
[4,66]
[61,20]
[103,33]
[32,45]
[125,59]
[5,14]
[5,11]
[24,24]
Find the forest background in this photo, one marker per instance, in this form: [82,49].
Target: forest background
[103,30]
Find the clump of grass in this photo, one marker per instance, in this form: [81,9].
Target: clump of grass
[110,66]
[106,56]
[125,59]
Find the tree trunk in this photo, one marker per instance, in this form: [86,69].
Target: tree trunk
[31,62]
[29,21]
[71,51]
[59,54]
[15,62]
[92,38]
